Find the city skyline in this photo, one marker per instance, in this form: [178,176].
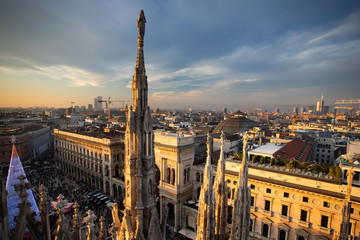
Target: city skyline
[200,56]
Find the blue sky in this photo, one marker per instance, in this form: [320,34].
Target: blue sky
[198,54]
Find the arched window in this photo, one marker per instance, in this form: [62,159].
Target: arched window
[230,212]
[185,176]
[168,175]
[188,175]
[265,230]
[282,234]
[150,187]
[173,177]
[197,176]
[300,238]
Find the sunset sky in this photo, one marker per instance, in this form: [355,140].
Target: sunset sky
[198,54]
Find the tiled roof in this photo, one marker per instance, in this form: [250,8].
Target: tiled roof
[291,150]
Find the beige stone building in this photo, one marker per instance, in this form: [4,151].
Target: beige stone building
[91,158]
[292,205]
[285,204]
[174,157]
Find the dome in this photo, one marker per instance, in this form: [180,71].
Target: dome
[237,123]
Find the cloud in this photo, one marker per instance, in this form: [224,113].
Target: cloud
[210,54]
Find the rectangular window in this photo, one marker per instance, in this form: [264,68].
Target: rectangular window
[286,194]
[284,210]
[351,210]
[268,190]
[324,221]
[305,199]
[267,205]
[303,215]
[252,201]
[326,204]
[252,186]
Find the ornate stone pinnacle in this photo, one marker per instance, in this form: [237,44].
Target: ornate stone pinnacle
[62,202]
[22,186]
[76,216]
[113,230]
[102,228]
[209,138]
[43,199]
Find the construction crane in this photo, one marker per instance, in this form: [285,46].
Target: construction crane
[350,108]
[109,101]
[348,101]
[72,104]
[256,109]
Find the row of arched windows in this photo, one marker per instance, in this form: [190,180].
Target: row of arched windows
[186,175]
[170,176]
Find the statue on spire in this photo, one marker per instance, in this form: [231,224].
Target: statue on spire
[141,23]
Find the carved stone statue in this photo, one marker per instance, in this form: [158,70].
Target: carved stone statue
[141,23]
[350,176]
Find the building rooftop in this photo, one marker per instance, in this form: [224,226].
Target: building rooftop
[267,148]
[293,149]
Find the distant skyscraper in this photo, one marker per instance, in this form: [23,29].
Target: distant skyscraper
[225,111]
[90,107]
[320,105]
[99,105]
[95,104]
[296,110]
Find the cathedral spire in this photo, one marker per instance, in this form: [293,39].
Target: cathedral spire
[140,219]
[139,85]
[205,220]
[220,188]
[345,224]
[241,210]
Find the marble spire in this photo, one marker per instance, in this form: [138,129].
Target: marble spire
[241,210]
[220,188]
[140,219]
[206,218]
[346,214]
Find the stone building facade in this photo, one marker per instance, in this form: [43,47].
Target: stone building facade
[324,148]
[290,206]
[174,154]
[91,159]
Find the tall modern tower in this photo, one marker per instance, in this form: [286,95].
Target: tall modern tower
[141,220]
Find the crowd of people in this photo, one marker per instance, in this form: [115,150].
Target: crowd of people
[56,183]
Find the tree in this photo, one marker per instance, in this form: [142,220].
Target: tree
[332,171]
[338,173]
[262,160]
[238,156]
[254,159]
[272,160]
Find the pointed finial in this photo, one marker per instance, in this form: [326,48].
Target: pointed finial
[209,138]
[141,24]
[76,216]
[102,228]
[43,205]
[222,138]
[245,142]
[113,230]
[22,187]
